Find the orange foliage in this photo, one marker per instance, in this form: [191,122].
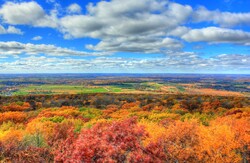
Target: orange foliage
[16,107]
[46,128]
[159,136]
[213,92]
[16,117]
[154,130]
[178,107]
[158,108]
[181,141]
[109,109]
[130,105]
[210,106]
[226,139]
[65,111]
[120,114]
[217,144]
[12,137]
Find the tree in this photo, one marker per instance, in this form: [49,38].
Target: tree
[119,141]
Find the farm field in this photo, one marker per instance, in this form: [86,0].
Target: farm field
[144,87]
[69,89]
[160,84]
[58,89]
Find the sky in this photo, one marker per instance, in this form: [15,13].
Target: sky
[125,36]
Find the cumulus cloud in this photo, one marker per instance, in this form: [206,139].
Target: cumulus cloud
[233,60]
[74,9]
[16,48]
[125,19]
[10,30]
[178,31]
[144,26]
[147,26]
[184,63]
[225,19]
[26,13]
[36,38]
[121,23]
[137,45]
[218,35]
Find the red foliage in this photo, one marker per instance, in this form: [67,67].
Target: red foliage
[147,107]
[117,142]
[25,155]
[154,152]
[60,134]
[232,112]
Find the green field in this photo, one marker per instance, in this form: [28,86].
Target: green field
[59,89]
[144,87]
[66,89]
[79,89]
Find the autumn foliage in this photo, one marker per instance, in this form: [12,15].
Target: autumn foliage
[143,129]
[16,106]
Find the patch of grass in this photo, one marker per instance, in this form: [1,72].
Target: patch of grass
[93,90]
[180,88]
[114,89]
[59,89]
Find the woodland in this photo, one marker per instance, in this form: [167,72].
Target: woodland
[109,127]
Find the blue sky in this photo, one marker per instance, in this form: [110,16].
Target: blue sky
[125,36]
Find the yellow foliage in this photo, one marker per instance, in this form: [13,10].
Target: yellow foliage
[96,121]
[77,123]
[178,107]
[154,130]
[141,114]
[9,132]
[123,113]
[12,136]
[65,111]
[161,116]
[39,126]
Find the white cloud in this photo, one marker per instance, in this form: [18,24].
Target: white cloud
[10,30]
[36,38]
[50,1]
[218,35]
[15,48]
[225,19]
[128,26]
[26,13]
[137,44]
[125,19]
[189,62]
[178,31]
[144,26]
[74,9]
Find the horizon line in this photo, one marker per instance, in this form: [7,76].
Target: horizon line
[186,73]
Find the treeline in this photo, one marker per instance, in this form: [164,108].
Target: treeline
[101,101]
